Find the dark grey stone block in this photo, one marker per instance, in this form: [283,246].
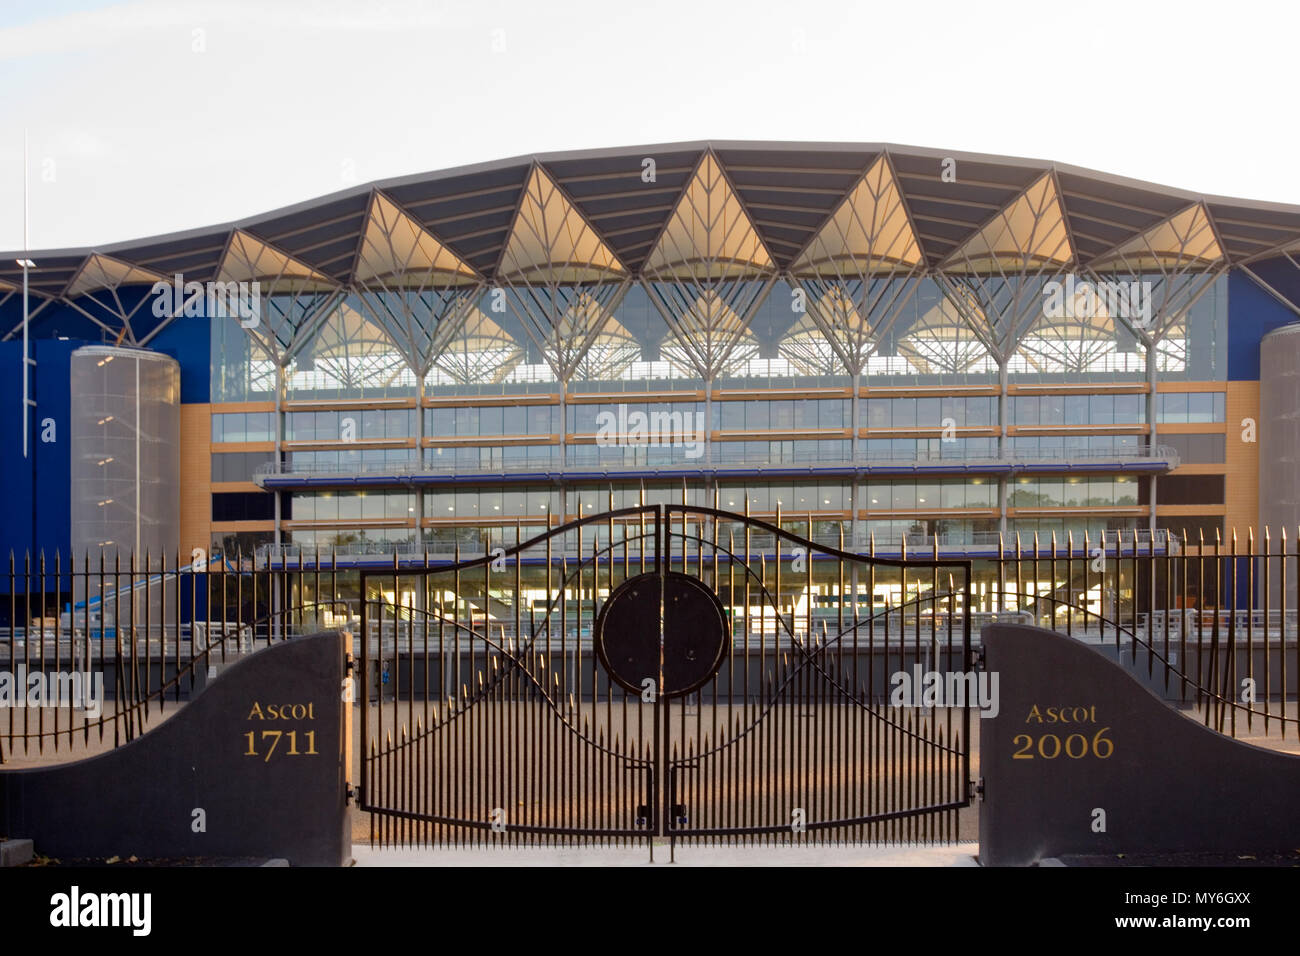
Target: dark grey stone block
[199,785]
[16,853]
[1165,783]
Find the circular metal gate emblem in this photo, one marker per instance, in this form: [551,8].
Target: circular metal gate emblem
[695,634]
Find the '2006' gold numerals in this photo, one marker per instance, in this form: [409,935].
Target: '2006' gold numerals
[1076,746]
[275,736]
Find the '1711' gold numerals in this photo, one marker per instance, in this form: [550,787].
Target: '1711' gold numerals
[275,736]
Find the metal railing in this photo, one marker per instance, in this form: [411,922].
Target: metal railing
[1141,539]
[1212,626]
[1160,453]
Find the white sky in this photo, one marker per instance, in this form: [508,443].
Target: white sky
[133,132]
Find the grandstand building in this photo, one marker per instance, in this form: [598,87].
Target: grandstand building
[928,347]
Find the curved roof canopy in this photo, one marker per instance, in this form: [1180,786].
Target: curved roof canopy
[704,212]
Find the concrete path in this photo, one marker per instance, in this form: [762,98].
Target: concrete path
[959,854]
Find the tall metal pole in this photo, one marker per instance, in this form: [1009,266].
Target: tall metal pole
[27,361]
[1153,412]
[138,549]
[26,260]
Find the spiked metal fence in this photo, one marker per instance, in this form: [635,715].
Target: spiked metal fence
[1211,625]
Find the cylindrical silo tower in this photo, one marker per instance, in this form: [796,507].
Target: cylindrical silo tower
[125,455]
[1279,440]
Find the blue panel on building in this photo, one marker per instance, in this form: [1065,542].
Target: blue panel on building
[1253,313]
[43,522]
[189,342]
[53,321]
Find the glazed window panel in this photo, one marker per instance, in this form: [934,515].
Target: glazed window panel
[1197,449]
[440,422]
[903,495]
[489,502]
[223,423]
[1074,492]
[467,504]
[731,497]
[1051,446]
[952,494]
[329,425]
[1051,409]
[1023,493]
[514,501]
[541,419]
[1100,492]
[491,420]
[243,426]
[981,494]
[303,507]
[730,415]
[1075,409]
[239,466]
[927,495]
[790,499]
[585,454]
[878,412]
[1191,489]
[1171,407]
[349,505]
[1076,446]
[466,422]
[1100,409]
[799,498]
[588,501]
[662,495]
[985,410]
[729,452]
[541,501]
[904,413]
[1024,409]
[819,413]
[259,426]
[514,420]
[300,426]
[834,496]
[1052,491]
[1201,407]
[399,422]
[1130,409]
[889,532]
[327,507]
[929,412]
[440,459]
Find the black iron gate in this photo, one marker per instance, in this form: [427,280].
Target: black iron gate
[666,670]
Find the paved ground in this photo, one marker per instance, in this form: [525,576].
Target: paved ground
[960,854]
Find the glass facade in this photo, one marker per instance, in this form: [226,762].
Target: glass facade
[579,374]
[1124,409]
[1189,407]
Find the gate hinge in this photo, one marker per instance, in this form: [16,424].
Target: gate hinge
[975,788]
[977,657]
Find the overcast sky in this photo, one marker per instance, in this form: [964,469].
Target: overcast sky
[160,115]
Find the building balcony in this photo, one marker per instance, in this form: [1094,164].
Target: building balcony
[962,544]
[279,476]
